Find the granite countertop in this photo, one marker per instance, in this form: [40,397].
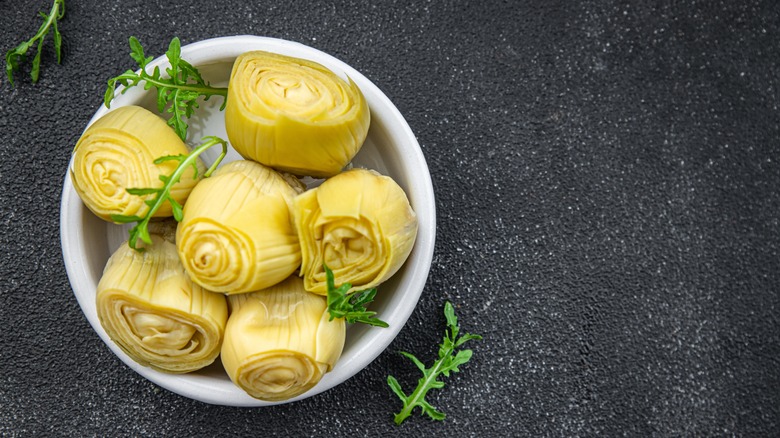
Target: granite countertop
[606,179]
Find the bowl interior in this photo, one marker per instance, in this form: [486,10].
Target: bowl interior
[390,148]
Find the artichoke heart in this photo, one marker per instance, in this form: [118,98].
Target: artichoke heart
[359,224]
[294,115]
[237,233]
[152,310]
[279,341]
[117,152]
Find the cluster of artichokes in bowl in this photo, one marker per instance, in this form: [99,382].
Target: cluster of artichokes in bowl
[365,209]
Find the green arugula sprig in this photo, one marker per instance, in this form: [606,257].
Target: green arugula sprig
[177,93]
[163,194]
[350,306]
[18,54]
[448,362]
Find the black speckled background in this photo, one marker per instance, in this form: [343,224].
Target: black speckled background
[608,186]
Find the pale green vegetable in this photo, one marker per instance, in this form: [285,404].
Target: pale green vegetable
[360,224]
[153,311]
[117,153]
[294,115]
[280,341]
[237,234]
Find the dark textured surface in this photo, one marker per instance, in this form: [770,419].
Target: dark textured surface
[607,184]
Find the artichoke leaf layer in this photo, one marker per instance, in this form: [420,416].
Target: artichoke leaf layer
[360,224]
[152,310]
[294,115]
[117,152]
[279,341]
[237,233]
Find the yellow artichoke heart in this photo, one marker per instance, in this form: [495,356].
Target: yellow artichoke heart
[360,224]
[117,152]
[237,233]
[152,310]
[279,341]
[294,115]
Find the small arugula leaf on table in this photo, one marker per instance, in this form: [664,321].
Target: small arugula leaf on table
[177,92]
[18,54]
[448,362]
[350,306]
[163,194]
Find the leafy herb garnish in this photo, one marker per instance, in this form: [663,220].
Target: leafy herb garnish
[177,93]
[350,306]
[448,362]
[19,53]
[163,194]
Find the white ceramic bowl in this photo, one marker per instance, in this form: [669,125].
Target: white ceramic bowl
[391,148]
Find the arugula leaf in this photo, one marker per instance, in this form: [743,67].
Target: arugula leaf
[163,194]
[448,362]
[350,306]
[177,92]
[18,54]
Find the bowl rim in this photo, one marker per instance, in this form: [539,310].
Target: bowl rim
[373,342]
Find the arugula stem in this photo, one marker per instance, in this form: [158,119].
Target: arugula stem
[177,93]
[141,228]
[187,87]
[179,172]
[350,306]
[53,17]
[19,53]
[421,391]
[447,363]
